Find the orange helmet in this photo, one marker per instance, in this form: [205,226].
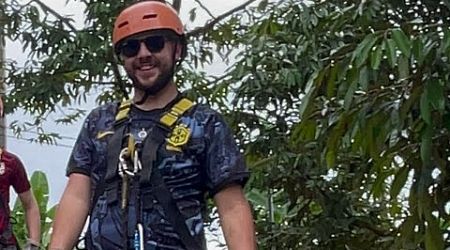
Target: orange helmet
[146,16]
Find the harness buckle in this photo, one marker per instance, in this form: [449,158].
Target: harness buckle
[123,166]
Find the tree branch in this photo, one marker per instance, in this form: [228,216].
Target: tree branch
[56,14]
[205,9]
[210,25]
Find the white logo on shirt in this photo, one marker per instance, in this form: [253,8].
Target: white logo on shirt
[2,168]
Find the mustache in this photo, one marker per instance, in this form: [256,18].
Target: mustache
[145,60]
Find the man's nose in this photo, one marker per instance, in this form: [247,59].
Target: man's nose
[143,51]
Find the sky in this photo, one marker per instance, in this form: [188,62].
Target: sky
[52,159]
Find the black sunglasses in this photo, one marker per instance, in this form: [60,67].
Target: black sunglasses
[131,47]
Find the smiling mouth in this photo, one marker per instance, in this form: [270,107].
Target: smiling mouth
[146,67]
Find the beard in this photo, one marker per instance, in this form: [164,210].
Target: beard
[160,82]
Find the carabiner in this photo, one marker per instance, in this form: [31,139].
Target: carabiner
[139,237]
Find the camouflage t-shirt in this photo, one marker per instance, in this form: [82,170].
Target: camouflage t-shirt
[209,161]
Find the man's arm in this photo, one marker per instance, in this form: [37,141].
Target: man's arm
[71,213]
[32,216]
[236,218]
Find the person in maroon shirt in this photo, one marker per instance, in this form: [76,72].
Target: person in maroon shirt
[13,174]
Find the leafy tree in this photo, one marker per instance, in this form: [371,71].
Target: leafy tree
[341,107]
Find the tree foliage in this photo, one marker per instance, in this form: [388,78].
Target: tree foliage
[341,107]
[344,110]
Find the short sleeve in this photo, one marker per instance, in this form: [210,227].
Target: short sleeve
[80,160]
[19,180]
[224,163]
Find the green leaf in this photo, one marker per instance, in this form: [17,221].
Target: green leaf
[330,158]
[307,102]
[402,42]
[40,189]
[364,78]
[399,181]
[433,234]
[309,130]
[192,14]
[403,68]
[361,52]
[417,49]
[378,187]
[435,92]
[425,112]
[331,81]
[263,5]
[314,82]
[426,145]
[445,47]
[375,57]
[391,52]
[315,208]
[257,198]
[407,231]
[353,76]
[39,185]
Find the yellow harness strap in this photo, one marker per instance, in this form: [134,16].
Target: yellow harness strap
[167,119]
[124,109]
[122,114]
[176,111]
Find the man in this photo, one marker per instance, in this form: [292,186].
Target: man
[12,173]
[141,169]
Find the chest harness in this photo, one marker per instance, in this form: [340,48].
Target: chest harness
[133,165]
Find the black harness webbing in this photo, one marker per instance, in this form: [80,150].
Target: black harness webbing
[150,153]
[114,145]
[160,191]
[150,176]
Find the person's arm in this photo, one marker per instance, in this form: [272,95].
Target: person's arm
[1,106]
[32,216]
[71,213]
[236,218]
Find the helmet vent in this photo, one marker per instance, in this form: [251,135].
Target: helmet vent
[122,24]
[149,16]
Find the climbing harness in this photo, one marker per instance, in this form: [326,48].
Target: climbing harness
[133,165]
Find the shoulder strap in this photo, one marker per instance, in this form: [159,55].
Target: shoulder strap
[172,212]
[123,111]
[158,134]
[151,175]
[176,111]
[115,143]
[113,150]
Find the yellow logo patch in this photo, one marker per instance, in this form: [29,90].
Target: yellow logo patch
[179,136]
